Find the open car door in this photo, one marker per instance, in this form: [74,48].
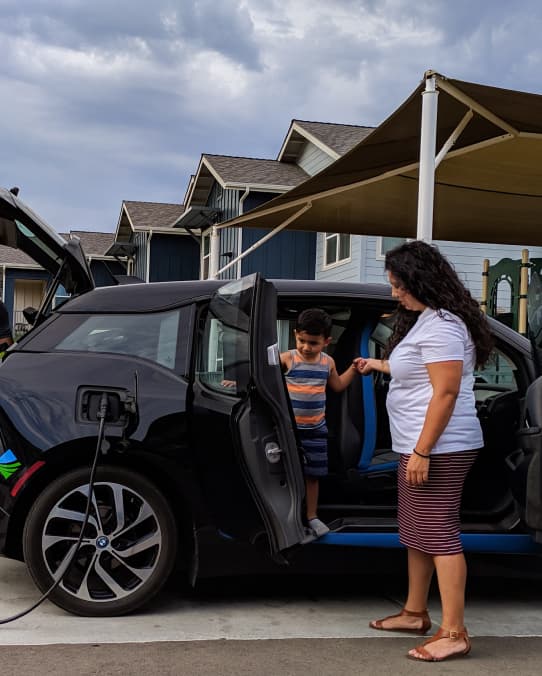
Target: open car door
[244,431]
[526,462]
[21,228]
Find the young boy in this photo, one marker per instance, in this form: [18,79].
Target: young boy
[308,370]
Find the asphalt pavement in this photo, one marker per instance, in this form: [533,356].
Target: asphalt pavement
[308,626]
[293,657]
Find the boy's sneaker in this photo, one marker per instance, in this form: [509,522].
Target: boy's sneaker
[318,527]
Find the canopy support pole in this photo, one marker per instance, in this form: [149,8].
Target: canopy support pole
[428,143]
[264,239]
[214,252]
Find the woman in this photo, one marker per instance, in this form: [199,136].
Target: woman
[439,337]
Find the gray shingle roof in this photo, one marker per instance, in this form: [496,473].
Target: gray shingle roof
[153,214]
[9,256]
[254,170]
[93,243]
[339,137]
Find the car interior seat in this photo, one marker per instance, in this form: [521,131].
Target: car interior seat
[499,416]
[352,414]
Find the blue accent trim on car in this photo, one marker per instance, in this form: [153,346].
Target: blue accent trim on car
[484,542]
[8,456]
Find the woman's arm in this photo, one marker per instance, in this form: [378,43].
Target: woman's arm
[445,377]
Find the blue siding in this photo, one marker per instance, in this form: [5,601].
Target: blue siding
[288,255]
[140,263]
[225,200]
[228,203]
[254,199]
[100,272]
[173,257]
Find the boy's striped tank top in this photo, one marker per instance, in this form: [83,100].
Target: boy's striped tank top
[306,384]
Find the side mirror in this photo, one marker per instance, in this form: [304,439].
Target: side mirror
[30,314]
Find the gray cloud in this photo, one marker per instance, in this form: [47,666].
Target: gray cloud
[107,101]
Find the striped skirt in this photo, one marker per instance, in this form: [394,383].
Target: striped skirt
[429,515]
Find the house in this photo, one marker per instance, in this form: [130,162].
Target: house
[154,249]
[95,246]
[358,258]
[24,282]
[224,187]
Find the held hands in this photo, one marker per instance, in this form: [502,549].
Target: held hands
[366,366]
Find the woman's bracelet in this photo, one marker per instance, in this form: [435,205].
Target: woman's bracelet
[422,455]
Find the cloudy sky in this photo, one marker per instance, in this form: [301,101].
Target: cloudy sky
[103,101]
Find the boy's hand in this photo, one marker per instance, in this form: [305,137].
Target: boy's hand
[365,366]
[360,364]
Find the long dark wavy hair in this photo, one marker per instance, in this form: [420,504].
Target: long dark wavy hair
[426,274]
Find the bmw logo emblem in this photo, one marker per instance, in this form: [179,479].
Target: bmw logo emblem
[102,542]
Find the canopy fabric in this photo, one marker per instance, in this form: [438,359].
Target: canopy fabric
[488,187]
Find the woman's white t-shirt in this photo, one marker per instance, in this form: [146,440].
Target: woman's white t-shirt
[437,335]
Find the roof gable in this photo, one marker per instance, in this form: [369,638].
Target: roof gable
[241,172]
[93,243]
[251,170]
[333,139]
[152,214]
[145,216]
[14,257]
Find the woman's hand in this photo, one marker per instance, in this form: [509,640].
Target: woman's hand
[417,470]
[367,366]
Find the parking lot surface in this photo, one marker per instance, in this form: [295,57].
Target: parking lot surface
[265,626]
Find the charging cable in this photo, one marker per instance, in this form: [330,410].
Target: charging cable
[101,415]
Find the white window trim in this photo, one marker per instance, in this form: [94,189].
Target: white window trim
[341,261]
[379,255]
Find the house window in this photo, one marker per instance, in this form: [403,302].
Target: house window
[205,256]
[385,244]
[337,248]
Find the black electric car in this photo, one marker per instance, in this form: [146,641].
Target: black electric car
[200,459]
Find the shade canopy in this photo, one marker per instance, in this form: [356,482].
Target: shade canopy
[488,186]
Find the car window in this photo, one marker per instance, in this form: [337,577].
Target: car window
[151,336]
[286,337]
[500,373]
[223,357]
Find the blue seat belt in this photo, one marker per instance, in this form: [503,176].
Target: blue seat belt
[369,405]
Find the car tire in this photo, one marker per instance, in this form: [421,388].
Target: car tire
[128,550]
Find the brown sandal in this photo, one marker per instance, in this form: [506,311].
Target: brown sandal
[424,615]
[442,633]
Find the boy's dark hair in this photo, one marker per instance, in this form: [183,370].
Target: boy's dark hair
[315,322]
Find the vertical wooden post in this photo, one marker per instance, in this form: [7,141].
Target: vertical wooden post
[523,288]
[485,279]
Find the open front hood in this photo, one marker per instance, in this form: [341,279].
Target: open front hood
[21,228]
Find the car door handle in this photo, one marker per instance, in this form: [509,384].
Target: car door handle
[272,452]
